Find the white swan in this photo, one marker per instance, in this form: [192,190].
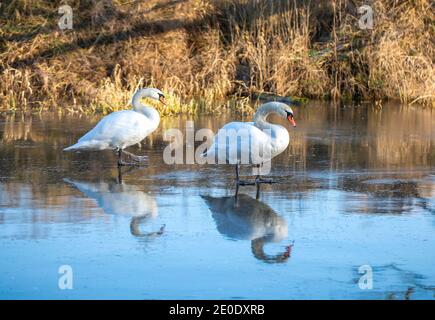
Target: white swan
[125,128]
[252,143]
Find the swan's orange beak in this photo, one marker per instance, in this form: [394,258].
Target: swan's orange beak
[291,120]
[162,100]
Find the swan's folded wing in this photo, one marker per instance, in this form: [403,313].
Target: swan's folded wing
[239,142]
[118,128]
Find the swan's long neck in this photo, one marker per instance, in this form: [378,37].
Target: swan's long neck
[279,137]
[260,117]
[148,111]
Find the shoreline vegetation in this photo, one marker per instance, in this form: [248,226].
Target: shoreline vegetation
[213,55]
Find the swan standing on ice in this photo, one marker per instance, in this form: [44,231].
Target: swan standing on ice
[125,128]
[241,142]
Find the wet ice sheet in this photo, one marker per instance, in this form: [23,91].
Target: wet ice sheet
[356,188]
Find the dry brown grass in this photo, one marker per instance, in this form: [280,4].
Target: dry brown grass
[401,59]
[202,52]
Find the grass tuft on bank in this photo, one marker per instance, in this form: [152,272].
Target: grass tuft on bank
[212,55]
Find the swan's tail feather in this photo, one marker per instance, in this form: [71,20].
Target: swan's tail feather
[72,148]
[87,145]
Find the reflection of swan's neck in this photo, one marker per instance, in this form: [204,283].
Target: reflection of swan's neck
[135,225]
[257,247]
[135,228]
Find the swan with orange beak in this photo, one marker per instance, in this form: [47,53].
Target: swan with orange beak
[239,142]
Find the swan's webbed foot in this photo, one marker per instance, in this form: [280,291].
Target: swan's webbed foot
[122,163]
[136,161]
[245,183]
[259,180]
[136,158]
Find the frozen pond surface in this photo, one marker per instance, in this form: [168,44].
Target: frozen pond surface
[356,187]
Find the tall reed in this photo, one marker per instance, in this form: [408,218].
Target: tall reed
[204,52]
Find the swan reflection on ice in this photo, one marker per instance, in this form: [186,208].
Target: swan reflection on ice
[245,218]
[122,200]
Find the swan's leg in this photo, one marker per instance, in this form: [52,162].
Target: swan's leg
[120,161]
[119,153]
[241,182]
[119,174]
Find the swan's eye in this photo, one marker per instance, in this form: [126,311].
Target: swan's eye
[162,98]
[291,119]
